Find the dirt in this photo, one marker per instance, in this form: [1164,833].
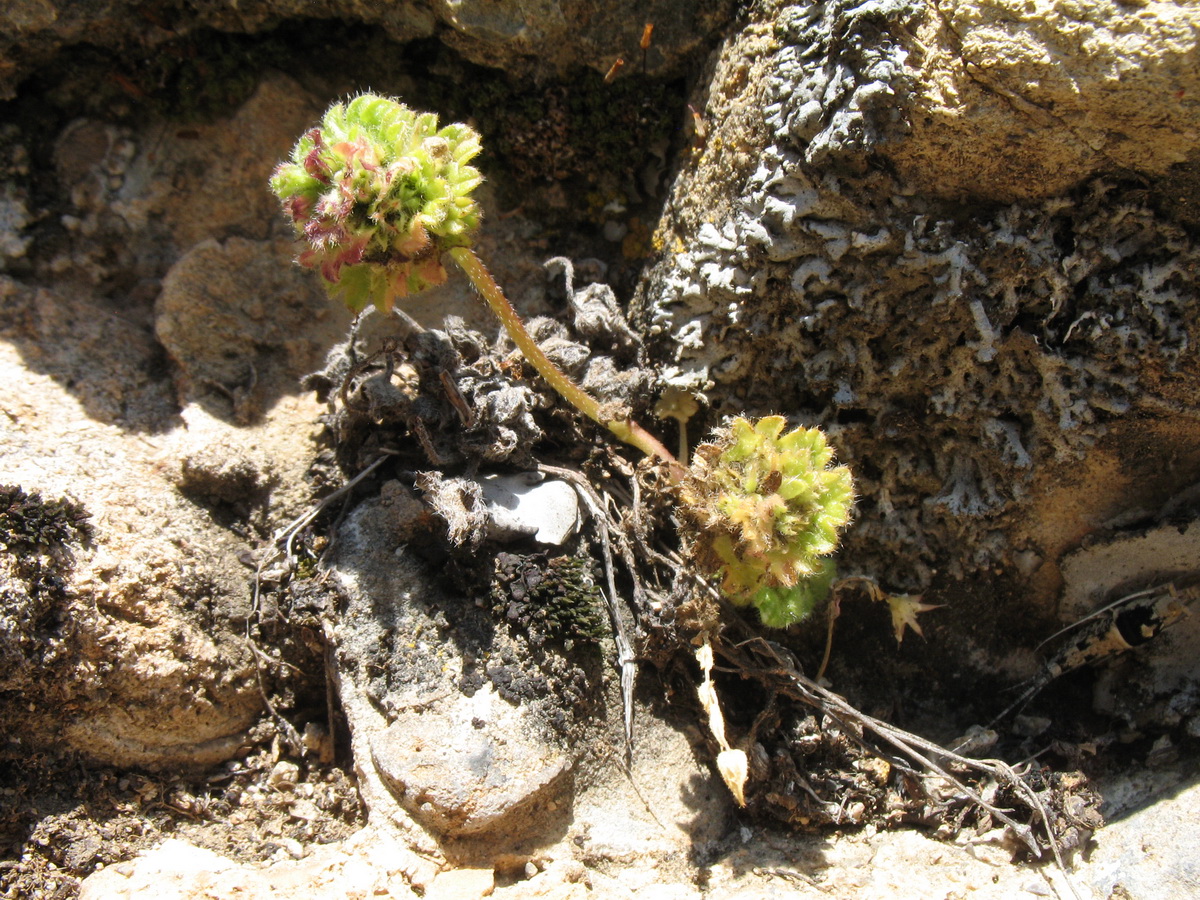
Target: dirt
[62,819]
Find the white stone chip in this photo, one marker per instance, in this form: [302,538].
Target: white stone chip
[521,506]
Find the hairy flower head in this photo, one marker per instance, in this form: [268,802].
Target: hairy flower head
[378,192]
[768,506]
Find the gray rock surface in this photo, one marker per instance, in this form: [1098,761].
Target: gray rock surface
[1147,852]
[980,368]
[460,759]
[466,767]
[547,511]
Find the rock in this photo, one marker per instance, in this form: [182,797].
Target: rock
[187,184]
[101,360]
[797,277]
[1123,562]
[1147,852]
[243,324]
[150,665]
[899,223]
[1153,683]
[177,185]
[14,219]
[994,99]
[494,33]
[173,871]
[371,863]
[476,753]
[462,884]
[32,31]
[545,37]
[211,181]
[283,776]
[146,666]
[1011,100]
[547,511]
[469,767]
[436,738]
[565,879]
[1143,854]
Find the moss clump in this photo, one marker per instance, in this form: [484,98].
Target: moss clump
[34,561]
[548,599]
[30,524]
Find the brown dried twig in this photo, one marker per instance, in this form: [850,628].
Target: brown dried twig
[775,667]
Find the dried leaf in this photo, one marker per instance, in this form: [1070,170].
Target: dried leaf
[905,609]
[734,768]
[732,764]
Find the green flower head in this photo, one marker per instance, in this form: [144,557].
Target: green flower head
[378,192]
[768,507]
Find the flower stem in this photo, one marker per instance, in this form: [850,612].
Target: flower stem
[626,429]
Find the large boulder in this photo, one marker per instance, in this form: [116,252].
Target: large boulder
[1005,361]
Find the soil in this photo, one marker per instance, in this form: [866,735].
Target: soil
[63,818]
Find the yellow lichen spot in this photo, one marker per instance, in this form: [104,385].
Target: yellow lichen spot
[638,242]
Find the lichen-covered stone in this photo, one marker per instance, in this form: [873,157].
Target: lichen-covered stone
[980,368]
[36,540]
[994,99]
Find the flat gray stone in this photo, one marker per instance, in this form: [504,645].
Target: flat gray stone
[470,766]
[519,505]
[1151,853]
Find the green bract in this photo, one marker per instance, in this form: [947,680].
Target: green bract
[769,506]
[378,192]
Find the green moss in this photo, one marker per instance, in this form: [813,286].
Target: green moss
[306,567]
[30,524]
[548,599]
[34,561]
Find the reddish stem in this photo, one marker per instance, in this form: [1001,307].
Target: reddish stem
[626,429]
